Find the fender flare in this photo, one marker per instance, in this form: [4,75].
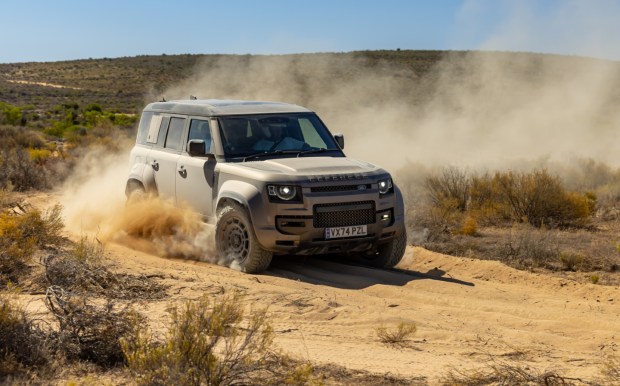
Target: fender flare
[140,174]
[245,194]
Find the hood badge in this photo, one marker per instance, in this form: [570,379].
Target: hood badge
[338,177]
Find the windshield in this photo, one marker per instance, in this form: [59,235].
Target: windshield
[247,135]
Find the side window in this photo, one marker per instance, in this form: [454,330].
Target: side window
[143,129]
[153,129]
[199,129]
[163,130]
[175,132]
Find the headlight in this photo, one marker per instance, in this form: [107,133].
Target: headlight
[385,186]
[288,193]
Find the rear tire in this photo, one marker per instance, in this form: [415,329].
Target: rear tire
[236,241]
[389,254]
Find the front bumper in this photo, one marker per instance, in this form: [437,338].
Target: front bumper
[300,228]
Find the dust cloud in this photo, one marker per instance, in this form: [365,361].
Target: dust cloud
[94,204]
[484,110]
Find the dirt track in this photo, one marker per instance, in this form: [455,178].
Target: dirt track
[469,313]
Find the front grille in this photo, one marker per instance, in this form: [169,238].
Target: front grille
[339,188]
[338,214]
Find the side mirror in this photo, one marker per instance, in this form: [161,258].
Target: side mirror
[196,147]
[339,140]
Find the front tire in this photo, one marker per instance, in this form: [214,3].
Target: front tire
[389,254]
[236,241]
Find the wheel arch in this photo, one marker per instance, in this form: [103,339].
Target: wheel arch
[243,193]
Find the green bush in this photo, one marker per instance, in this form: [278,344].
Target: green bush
[124,120]
[11,115]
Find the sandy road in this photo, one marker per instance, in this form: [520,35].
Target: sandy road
[468,313]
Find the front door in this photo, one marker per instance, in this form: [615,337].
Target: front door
[194,177]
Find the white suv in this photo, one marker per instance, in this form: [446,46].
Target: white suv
[271,177]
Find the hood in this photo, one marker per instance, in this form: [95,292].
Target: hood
[312,167]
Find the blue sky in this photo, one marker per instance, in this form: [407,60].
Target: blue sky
[46,30]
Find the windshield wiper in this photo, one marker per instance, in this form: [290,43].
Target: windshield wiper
[312,151]
[269,153]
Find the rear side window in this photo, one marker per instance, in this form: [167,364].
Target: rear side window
[148,122]
[175,133]
[199,129]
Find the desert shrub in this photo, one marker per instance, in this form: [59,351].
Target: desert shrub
[539,198]
[500,373]
[207,343]
[531,247]
[22,343]
[469,227]
[40,156]
[10,115]
[44,227]
[21,236]
[89,331]
[124,120]
[17,168]
[398,335]
[486,202]
[16,251]
[571,260]
[440,221]
[81,268]
[451,185]
[56,131]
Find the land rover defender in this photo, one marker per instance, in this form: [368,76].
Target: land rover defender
[272,179]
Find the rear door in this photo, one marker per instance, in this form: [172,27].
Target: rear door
[164,157]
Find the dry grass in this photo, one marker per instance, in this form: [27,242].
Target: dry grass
[23,344]
[82,269]
[208,342]
[24,234]
[89,331]
[500,373]
[528,220]
[397,336]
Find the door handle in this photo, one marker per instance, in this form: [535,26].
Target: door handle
[155,165]
[182,171]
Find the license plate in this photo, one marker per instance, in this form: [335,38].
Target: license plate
[340,232]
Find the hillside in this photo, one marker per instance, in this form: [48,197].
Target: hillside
[125,84]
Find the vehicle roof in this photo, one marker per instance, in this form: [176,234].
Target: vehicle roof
[215,107]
